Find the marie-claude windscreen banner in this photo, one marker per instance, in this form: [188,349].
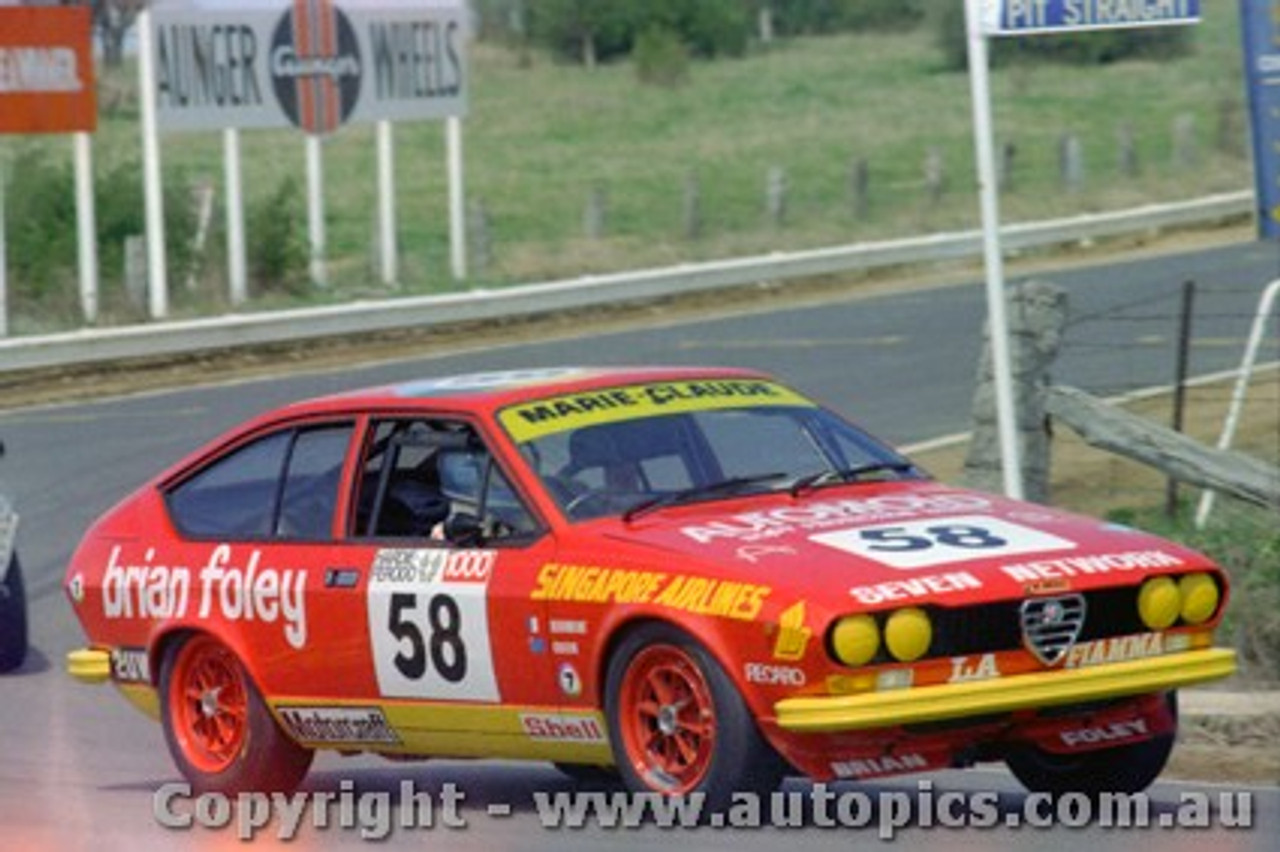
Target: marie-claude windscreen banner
[1260,21]
[312,64]
[46,70]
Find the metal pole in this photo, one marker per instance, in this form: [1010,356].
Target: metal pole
[457,221]
[387,202]
[1265,306]
[4,255]
[157,275]
[237,266]
[1001,359]
[1180,385]
[86,227]
[315,209]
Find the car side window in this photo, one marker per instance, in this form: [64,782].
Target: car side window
[312,476]
[426,479]
[282,485]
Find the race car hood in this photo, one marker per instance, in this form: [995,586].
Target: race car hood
[888,544]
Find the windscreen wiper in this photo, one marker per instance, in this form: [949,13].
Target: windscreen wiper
[699,492]
[835,476]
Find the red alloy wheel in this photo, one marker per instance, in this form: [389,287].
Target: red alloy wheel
[209,705]
[667,719]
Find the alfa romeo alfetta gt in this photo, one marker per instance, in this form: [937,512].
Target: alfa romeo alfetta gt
[699,580]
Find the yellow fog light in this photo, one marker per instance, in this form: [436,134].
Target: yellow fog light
[1159,603]
[855,640]
[1199,598]
[907,634]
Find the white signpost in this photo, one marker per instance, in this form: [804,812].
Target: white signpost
[986,18]
[312,64]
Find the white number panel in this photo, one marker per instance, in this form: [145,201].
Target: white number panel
[429,624]
[942,541]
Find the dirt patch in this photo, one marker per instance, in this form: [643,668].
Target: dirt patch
[1228,749]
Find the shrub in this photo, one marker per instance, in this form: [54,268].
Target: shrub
[828,16]
[661,58]
[277,242]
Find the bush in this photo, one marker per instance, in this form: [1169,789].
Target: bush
[277,241]
[583,30]
[42,229]
[661,58]
[1092,48]
[828,16]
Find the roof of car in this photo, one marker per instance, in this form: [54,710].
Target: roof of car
[492,390]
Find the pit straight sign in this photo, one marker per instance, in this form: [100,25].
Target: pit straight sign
[1025,17]
[312,64]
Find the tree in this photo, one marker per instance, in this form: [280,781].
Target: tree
[112,20]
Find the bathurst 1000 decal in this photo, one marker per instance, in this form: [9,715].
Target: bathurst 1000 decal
[429,624]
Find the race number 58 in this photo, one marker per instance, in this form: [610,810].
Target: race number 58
[429,625]
[942,541]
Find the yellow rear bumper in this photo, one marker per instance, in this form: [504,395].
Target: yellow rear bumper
[998,695]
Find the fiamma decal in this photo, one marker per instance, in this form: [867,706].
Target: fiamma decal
[1117,649]
[530,420]
[750,527]
[562,728]
[698,595]
[223,588]
[890,764]
[916,587]
[338,724]
[1084,566]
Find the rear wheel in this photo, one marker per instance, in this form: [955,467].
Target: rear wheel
[13,617]
[219,730]
[678,724]
[1128,768]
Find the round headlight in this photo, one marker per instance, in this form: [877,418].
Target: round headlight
[907,634]
[855,640]
[1159,603]
[1200,597]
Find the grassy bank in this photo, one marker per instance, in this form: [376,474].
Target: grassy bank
[540,138]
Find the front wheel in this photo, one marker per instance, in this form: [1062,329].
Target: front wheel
[219,730]
[1127,768]
[678,725]
[13,618]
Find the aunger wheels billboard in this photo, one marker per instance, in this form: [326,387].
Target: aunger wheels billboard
[46,70]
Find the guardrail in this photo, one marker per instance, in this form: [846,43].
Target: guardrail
[169,338]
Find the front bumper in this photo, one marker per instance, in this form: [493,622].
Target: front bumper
[1003,694]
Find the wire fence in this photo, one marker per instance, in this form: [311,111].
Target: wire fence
[1134,350]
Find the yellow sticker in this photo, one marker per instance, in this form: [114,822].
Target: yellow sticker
[793,636]
[540,417]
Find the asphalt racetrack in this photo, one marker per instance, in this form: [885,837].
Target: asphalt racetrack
[81,768]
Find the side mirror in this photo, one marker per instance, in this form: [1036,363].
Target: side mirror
[464,530]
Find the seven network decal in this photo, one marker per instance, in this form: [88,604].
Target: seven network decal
[315,66]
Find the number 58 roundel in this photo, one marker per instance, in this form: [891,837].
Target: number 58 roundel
[430,626]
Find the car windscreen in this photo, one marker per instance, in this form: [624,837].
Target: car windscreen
[619,451]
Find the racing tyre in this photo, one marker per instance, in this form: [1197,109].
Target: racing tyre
[1128,768]
[678,725]
[219,730]
[13,618]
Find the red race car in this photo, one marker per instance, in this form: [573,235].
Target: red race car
[697,579]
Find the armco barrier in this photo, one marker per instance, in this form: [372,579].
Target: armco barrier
[168,338]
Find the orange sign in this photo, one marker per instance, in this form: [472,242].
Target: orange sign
[46,70]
